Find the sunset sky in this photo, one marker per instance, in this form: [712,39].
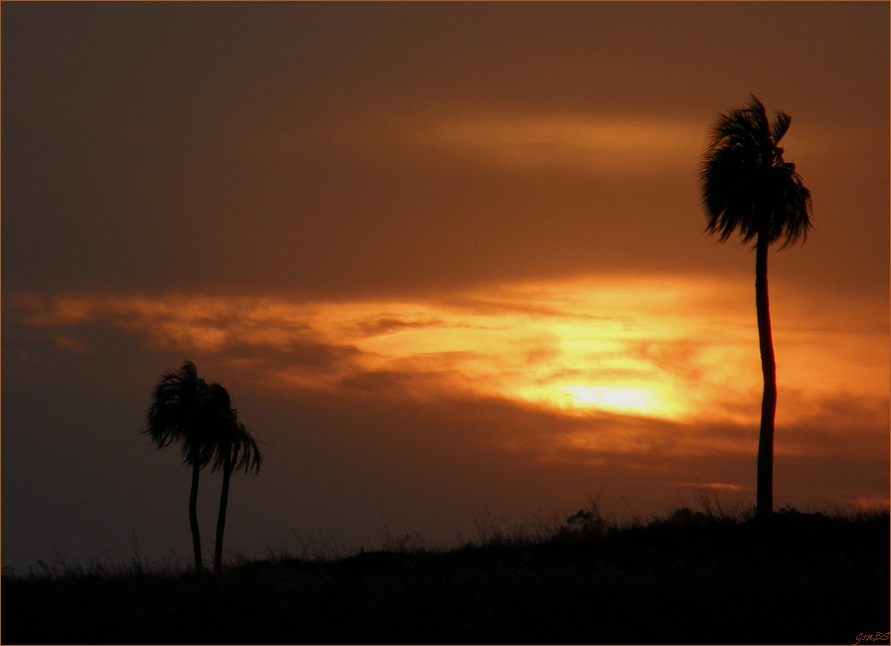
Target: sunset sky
[448,259]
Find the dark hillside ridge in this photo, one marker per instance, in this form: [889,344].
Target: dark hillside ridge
[693,578]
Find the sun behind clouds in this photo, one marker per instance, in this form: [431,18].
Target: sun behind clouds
[673,348]
[642,401]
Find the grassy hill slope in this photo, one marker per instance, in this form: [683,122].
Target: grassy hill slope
[690,578]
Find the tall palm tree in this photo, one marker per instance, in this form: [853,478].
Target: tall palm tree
[234,449]
[179,413]
[747,186]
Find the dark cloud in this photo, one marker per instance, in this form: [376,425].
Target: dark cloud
[126,166]
[388,324]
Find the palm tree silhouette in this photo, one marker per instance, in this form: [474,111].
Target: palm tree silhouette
[234,449]
[186,408]
[746,185]
[177,414]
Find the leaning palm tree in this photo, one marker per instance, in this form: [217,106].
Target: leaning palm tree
[181,412]
[747,186]
[234,449]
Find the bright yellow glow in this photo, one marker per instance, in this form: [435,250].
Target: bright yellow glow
[638,400]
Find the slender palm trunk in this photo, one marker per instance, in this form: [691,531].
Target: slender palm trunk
[193,515]
[221,519]
[764,493]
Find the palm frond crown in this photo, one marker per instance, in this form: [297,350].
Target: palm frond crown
[175,406]
[187,409]
[236,445]
[747,186]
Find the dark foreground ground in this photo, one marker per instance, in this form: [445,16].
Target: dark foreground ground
[692,578]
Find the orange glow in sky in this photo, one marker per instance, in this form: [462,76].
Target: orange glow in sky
[672,348]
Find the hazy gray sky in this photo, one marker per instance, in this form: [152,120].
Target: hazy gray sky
[463,218]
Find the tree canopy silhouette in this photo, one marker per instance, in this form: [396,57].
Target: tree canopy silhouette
[234,450]
[748,187]
[199,415]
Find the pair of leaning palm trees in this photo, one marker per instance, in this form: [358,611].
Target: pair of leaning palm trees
[187,409]
[746,187]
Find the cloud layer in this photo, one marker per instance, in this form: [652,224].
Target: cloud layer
[676,349]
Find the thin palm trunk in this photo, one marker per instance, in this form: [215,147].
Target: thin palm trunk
[193,515]
[221,519]
[764,493]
